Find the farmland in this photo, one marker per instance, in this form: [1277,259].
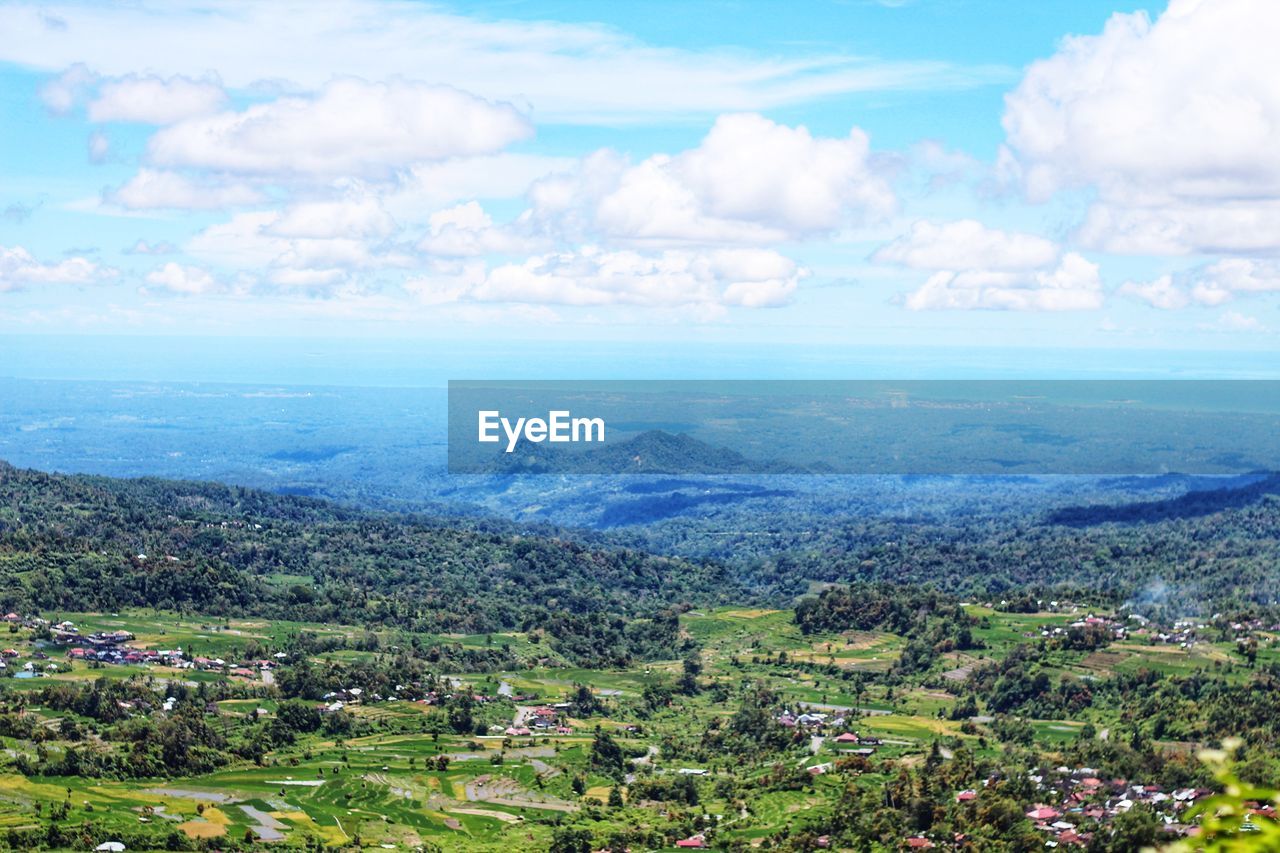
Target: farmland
[399,778]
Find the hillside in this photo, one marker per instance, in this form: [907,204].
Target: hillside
[99,543]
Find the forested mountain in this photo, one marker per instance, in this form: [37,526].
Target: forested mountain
[106,543]
[98,543]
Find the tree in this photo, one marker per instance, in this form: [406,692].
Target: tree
[692,668]
[606,754]
[1136,829]
[570,839]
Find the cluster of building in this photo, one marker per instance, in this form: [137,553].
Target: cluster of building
[1083,798]
[809,720]
[1182,633]
[544,719]
[112,647]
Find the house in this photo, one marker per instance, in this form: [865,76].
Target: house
[919,843]
[966,796]
[694,841]
[12,617]
[1044,813]
[848,737]
[693,771]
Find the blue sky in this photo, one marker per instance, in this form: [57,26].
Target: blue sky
[914,173]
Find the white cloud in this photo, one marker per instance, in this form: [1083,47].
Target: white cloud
[985,268]
[1177,228]
[750,180]
[966,244]
[18,267]
[1234,321]
[64,92]
[308,244]
[1072,286]
[1161,293]
[446,281]
[350,128]
[434,185]
[357,216]
[155,100]
[1176,123]
[564,72]
[152,189]
[1209,285]
[145,99]
[752,278]
[143,247]
[186,280]
[465,230]
[99,147]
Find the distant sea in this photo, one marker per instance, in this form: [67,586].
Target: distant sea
[386,363]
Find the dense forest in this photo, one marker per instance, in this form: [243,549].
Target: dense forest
[110,543]
[98,543]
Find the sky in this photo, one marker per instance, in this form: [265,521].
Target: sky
[906,173]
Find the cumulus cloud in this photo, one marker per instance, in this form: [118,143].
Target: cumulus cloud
[187,280]
[63,93]
[1220,226]
[459,179]
[309,244]
[1175,122]
[750,180]
[152,189]
[590,276]
[18,267]
[356,216]
[145,99]
[1234,321]
[155,100]
[1208,285]
[966,244]
[466,230]
[985,268]
[350,128]
[1072,286]
[1159,293]
[752,278]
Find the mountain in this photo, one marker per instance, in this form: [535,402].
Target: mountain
[96,543]
[1193,504]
